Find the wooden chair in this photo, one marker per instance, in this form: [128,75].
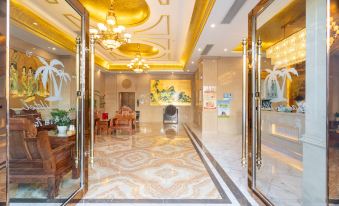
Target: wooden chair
[122,124]
[33,159]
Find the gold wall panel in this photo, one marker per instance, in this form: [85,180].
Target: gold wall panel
[132,48]
[129,12]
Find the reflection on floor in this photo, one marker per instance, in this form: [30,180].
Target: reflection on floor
[333,170]
[39,191]
[155,165]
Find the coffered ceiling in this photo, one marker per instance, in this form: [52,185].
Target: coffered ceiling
[166,30]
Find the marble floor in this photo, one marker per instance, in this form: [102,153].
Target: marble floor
[280,177]
[155,165]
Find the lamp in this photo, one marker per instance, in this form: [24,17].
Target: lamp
[138,64]
[111,35]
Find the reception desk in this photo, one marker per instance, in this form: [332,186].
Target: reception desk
[282,131]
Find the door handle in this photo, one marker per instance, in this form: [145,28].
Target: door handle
[258,106]
[78,127]
[244,94]
[92,65]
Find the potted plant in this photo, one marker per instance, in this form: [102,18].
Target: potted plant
[61,119]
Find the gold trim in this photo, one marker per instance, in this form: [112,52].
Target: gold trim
[153,67]
[24,18]
[201,12]
[164,2]
[158,56]
[162,46]
[156,24]
[69,16]
[52,1]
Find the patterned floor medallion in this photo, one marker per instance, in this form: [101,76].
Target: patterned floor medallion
[150,165]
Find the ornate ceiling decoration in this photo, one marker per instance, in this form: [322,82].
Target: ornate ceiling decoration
[132,48]
[168,30]
[130,13]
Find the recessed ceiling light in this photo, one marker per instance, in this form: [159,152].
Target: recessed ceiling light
[188,70]
[199,49]
[49,47]
[35,24]
[212,25]
[54,48]
[192,62]
[225,50]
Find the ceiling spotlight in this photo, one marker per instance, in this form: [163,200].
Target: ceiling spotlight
[53,48]
[35,24]
[192,62]
[188,70]
[225,50]
[212,25]
[199,49]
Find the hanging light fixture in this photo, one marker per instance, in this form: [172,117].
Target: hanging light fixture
[111,34]
[289,51]
[138,64]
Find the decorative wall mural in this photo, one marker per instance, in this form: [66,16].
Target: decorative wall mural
[25,83]
[176,92]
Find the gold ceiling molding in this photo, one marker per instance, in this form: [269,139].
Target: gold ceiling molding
[162,17]
[52,1]
[129,13]
[71,18]
[164,2]
[131,49]
[201,12]
[164,54]
[153,67]
[24,18]
[155,43]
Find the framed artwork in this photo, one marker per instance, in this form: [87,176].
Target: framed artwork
[176,92]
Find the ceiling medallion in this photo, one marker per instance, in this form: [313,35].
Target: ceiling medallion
[111,35]
[138,64]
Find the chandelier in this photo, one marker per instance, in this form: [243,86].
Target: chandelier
[138,64]
[110,34]
[289,51]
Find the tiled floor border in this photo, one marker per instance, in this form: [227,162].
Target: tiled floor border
[224,200]
[228,181]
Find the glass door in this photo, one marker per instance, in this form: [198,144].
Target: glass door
[3,102]
[333,111]
[46,97]
[277,100]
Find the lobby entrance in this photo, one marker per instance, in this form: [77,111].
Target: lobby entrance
[83,117]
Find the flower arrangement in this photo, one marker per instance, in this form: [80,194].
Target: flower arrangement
[60,117]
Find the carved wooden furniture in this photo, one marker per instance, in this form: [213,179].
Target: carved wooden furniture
[33,116]
[33,159]
[123,123]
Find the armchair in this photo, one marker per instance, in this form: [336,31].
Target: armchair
[33,159]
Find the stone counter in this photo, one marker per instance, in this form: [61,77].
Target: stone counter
[282,132]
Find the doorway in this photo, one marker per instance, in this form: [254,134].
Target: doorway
[127,99]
